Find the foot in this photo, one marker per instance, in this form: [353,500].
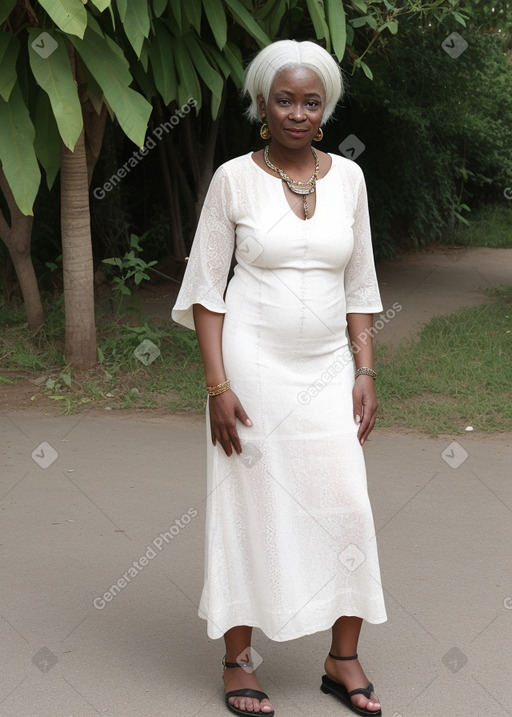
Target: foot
[241,679]
[350,674]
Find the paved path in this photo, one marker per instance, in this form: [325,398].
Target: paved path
[85,499]
[438,282]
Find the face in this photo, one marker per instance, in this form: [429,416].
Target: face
[295,107]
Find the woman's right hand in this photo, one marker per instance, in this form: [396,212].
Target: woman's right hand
[225,409]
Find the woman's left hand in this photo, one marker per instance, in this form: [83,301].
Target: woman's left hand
[365,406]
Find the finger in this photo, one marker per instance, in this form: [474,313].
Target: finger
[358,410]
[235,441]
[362,433]
[230,436]
[226,445]
[367,424]
[242,415]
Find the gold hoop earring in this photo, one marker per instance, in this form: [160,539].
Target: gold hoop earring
[319,135]
[264,130]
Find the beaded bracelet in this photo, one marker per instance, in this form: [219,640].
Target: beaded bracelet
[218,389]
[365,371]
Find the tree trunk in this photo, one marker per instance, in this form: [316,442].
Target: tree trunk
[78,273]
[17,240]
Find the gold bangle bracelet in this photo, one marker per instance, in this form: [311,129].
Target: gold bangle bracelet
[365,371]
[218,389]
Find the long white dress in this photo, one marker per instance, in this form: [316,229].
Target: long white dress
[290,539]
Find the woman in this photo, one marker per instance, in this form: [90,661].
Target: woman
[288,359]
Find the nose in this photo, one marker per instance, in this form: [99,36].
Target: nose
[297,113]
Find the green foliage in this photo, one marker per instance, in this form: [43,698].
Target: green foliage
[132,270]
[436,131]
[174,380]
[53,75]
[43,66]
[490,225]
[17,154]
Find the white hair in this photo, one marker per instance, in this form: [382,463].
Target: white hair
[284,54]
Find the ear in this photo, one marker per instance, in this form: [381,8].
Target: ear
[262,108]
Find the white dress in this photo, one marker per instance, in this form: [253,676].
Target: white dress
[290,539]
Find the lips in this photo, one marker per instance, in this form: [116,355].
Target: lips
[299,133]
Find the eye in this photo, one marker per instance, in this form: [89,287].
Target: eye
[312,104]
[283,101]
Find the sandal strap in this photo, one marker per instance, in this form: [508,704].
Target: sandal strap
[335,657]
[366,691]
[255,694]
[236,664]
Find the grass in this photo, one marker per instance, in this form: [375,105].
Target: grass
[174,380]
[455,373]
[490,226]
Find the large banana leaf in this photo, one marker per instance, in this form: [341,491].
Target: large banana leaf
[17,153]
[135,19]
[106,63]
[337,27]
[101,4]
[216,16]
[162,63]
[9,48]
[70,16]
[247,21]
[191,10]
[189,86]
[175,8]
[159,7]
[212,79]
[234,57]
[47,141]
[270,15]
[53,74]
[317,14]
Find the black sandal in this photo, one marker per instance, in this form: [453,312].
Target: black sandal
[329,686]
[255,694]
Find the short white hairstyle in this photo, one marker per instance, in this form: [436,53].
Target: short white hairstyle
[283,55]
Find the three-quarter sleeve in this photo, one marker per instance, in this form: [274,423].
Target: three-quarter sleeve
[205,277]
[361,286]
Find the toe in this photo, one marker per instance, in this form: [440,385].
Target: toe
[367,704]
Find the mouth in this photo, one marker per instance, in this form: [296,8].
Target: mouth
[296,133]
